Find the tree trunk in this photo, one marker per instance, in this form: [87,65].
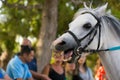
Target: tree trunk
[47,32]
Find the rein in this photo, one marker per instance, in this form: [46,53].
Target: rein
[109,49]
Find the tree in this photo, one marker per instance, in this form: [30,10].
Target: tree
[47,32]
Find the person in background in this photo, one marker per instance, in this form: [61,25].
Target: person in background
[3,74]
[99,71]
[82,71]
[69,68]
[17,68]
[32,65]
[56,70]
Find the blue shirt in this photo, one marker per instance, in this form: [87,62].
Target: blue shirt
[17,69]
[2,73]
[33,65]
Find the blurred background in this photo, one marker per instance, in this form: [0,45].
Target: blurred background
[41,21]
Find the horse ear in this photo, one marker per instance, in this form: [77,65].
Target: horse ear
[85,5]
[101,10]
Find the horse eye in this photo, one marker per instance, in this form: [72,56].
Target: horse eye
[87,26]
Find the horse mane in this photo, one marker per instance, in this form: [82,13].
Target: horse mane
[113,23]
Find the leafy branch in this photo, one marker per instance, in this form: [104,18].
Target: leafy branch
[21,6]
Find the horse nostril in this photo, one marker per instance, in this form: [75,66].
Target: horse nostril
[62,43]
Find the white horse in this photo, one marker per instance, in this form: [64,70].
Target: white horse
[98,31]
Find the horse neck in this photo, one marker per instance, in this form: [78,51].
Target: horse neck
[110,59]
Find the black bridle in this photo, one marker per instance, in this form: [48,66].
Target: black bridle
[79,50]
[97,28]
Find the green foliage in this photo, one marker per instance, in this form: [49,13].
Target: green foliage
[20,21]
[65,15]
[91,60]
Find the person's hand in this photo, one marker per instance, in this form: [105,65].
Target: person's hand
[45,77]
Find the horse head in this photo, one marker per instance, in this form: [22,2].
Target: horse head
[84,31]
